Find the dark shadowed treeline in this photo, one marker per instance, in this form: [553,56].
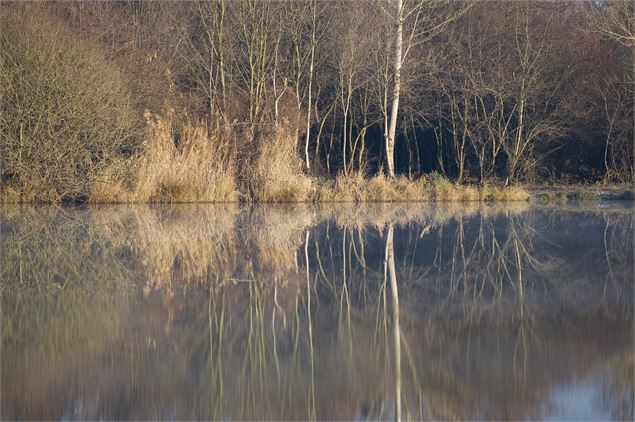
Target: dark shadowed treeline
[255,97]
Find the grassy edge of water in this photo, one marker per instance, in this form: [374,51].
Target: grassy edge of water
[353,188]
[582,192]
[356,188]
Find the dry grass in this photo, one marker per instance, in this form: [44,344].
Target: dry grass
[382,189]
[342,189]
[166,175]
[203,168]
[179,162]
[200,168]
[356,188]
[413,190]
[446,191]
[37,190]
[113,184]
[275,174]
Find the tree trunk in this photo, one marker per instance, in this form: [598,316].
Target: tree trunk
[390,139]
[308,113]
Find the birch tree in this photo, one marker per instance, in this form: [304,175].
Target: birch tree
[423,20]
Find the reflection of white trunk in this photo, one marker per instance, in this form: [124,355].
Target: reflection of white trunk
[308,309]
[390,265]
[392,129]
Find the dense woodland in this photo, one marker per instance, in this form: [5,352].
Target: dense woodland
[219,100]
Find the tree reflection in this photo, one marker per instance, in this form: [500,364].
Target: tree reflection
[314,313]
[392,276]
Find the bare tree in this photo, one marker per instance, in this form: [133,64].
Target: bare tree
[427,18]
[614,19]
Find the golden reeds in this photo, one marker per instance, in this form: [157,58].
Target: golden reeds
[199,168]
[276,171]
[356,188]
[179,162]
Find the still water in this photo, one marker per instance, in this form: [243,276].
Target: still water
[376,311]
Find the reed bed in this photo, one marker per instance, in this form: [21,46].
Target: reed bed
[275,173]
[196,167]
[187,161]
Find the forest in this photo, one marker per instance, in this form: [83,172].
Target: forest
[313,100]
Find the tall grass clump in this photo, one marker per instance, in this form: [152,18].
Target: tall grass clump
[446,191]
[274,173]
[345,188]
[183,162]
[357,188]
[66,112]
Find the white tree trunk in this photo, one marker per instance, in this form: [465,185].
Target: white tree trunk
[392,129]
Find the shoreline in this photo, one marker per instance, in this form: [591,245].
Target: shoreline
[380,189]
[582,192]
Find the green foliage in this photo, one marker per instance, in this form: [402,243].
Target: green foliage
[66,110]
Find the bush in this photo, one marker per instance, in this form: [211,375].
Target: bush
[66,110]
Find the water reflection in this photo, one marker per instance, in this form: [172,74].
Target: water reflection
[293,312]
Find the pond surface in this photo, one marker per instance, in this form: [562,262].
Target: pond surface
[375,311]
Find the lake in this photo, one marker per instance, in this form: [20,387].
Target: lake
[371,311]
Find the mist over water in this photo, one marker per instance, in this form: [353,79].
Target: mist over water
[293,312]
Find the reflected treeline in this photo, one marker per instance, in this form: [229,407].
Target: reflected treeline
[296,312]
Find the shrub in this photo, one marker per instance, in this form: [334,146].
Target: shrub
[66,111]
